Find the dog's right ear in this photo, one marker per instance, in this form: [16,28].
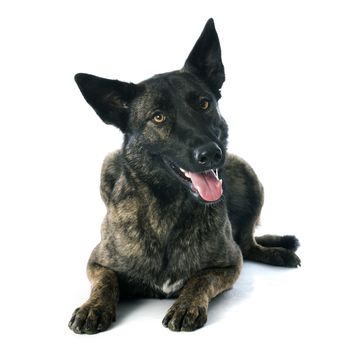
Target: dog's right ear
[109,98]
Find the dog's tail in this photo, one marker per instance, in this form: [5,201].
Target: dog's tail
[288,242]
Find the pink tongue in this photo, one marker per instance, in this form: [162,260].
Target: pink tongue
[207,185]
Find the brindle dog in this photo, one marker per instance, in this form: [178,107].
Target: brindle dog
[181,212]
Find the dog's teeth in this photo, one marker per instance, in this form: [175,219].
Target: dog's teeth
[186,173]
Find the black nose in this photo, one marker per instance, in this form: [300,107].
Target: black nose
[208,155]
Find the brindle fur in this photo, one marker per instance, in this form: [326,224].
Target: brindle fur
[99,311]
[157,239]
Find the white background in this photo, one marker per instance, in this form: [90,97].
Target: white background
[286,99]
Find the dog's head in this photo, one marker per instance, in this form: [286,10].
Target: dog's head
[172,117]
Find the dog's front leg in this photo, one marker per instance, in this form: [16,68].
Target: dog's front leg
[189,312]
[98,312]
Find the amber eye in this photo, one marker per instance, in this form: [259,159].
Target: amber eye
[204,104]
[159,118]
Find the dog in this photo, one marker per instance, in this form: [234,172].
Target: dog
[181,211]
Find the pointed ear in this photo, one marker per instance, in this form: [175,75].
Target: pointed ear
[205,59]
[109,98]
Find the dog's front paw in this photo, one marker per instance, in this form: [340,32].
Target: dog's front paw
[91,319]
[185,317]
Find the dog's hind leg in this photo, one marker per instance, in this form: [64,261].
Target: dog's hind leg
[244,199]
[189,312]
[98,312]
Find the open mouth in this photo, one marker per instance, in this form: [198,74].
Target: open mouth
[205,185]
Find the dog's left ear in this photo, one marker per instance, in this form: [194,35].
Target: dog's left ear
[205,59]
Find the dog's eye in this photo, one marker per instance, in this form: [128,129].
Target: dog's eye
[159,118]
[204,103]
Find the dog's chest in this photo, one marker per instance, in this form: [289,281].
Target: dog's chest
[161,220]
[161,247]
[181,241]
[170,288]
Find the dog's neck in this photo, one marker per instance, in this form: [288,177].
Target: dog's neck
[147,180]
